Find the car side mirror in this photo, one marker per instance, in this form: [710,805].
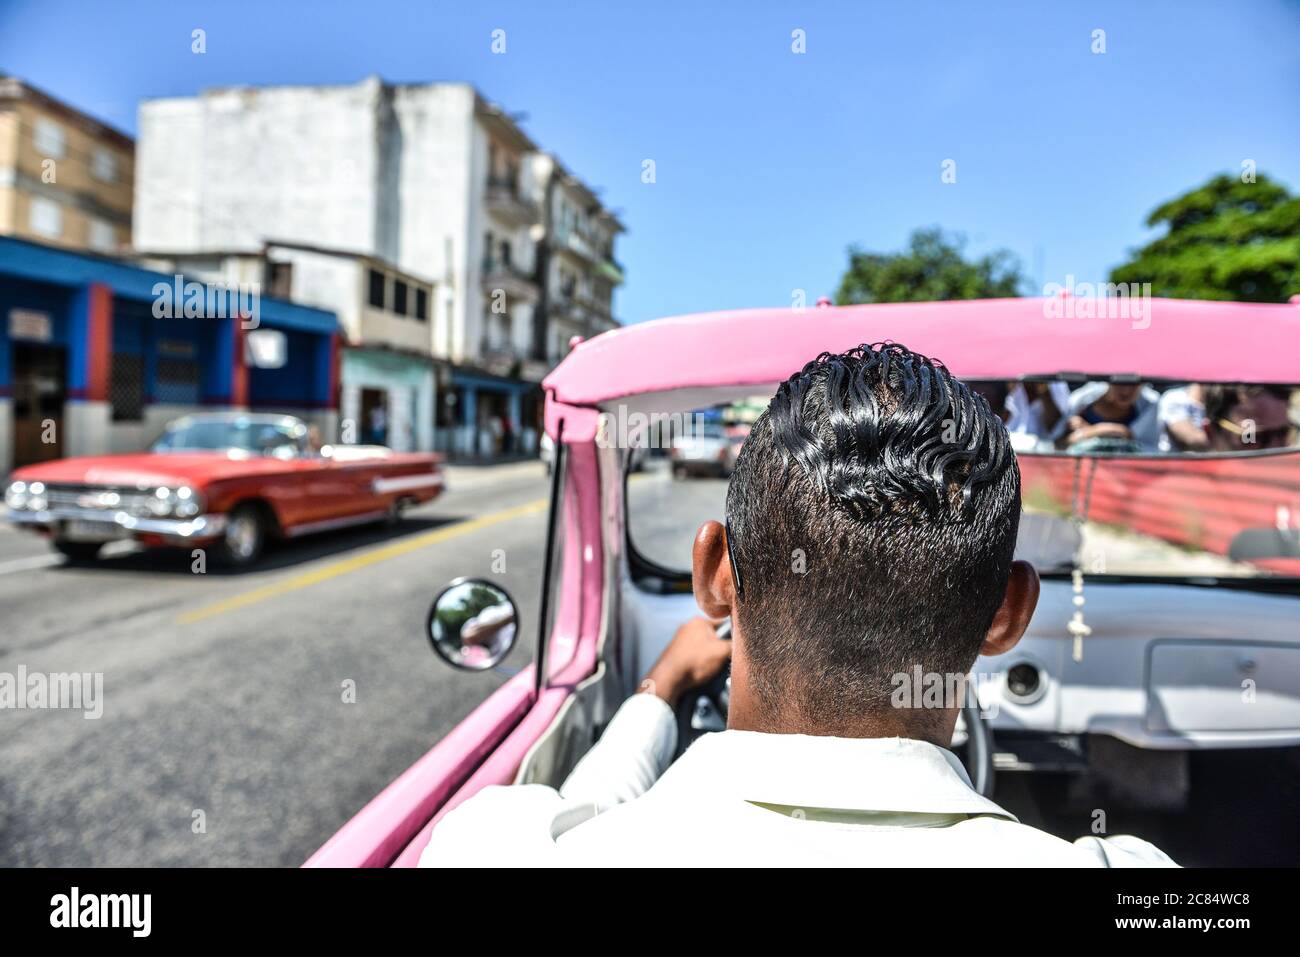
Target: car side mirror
[472,624]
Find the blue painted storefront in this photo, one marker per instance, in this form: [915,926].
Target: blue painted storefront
[92,307]
[493,416]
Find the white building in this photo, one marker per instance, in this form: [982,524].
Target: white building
[429,178]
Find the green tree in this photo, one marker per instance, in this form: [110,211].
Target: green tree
[1224,240]
[932,267]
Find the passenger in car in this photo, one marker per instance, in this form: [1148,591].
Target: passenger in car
[1115,417]
[1033,412]
[898,486]
[1181,412]
[1247,418]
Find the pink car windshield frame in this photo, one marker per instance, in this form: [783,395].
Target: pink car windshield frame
[1157,340]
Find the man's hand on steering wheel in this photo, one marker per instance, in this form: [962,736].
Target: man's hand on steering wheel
[693,658]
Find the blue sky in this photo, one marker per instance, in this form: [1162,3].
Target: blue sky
[769,164]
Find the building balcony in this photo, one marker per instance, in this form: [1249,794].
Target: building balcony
[597,307]
[510,361]
[577,245]
[504,200]
[589,316]
[516,284]
[611,269]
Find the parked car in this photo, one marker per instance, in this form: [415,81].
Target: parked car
[1187,639]
[228,481]
[705,449]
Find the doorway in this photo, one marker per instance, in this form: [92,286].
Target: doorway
[39,391]
[374,417]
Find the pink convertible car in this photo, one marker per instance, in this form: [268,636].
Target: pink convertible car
[1169,623]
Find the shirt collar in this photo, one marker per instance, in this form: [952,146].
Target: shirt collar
[897,775]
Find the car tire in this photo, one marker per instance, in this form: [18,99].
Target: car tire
[78,551]
[240,545]
[397,511]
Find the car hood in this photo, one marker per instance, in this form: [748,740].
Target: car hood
[149,469]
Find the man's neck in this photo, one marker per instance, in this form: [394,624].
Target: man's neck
[934,726]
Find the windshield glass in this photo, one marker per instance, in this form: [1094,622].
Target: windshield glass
[1137,418]
[1166,514]
[709,430]
[253,436]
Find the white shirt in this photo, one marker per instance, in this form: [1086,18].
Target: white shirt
[1177,405]
[1025,418]
[741,798]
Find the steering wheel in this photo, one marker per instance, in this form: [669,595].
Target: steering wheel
[704,710]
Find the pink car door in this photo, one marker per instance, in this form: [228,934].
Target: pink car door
[489,745]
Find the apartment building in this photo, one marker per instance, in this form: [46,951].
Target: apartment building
[65,179]
[578,272]
[429,179]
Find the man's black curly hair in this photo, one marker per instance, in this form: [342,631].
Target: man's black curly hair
[872,516]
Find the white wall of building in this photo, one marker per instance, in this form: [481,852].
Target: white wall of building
[389,172]
[437,174]
[214,172]
[329,282]
[86,428]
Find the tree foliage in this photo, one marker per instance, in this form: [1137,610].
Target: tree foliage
[1227,239]
[933,267]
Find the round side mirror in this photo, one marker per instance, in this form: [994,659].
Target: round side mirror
[473,624]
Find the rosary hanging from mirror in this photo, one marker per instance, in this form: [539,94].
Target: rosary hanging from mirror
[1076,626]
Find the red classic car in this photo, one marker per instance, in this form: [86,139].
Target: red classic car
[222,480]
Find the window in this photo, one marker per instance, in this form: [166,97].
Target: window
[103,165]
[280,279]
[421,304]
[45,217]
[49,139]
[377,282]
[176,382]
[101,236]
[399,297]
[126,387]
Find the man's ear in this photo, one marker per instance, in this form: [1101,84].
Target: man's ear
[1013,615]
[715,591]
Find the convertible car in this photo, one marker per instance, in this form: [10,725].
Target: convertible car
[228,481]
[1169,622]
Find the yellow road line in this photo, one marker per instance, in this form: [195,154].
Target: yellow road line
[334,570]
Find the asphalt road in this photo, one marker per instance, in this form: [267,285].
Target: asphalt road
[224,694]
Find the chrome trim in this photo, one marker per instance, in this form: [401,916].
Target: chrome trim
[184,529]
[332,523]
[403,483]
